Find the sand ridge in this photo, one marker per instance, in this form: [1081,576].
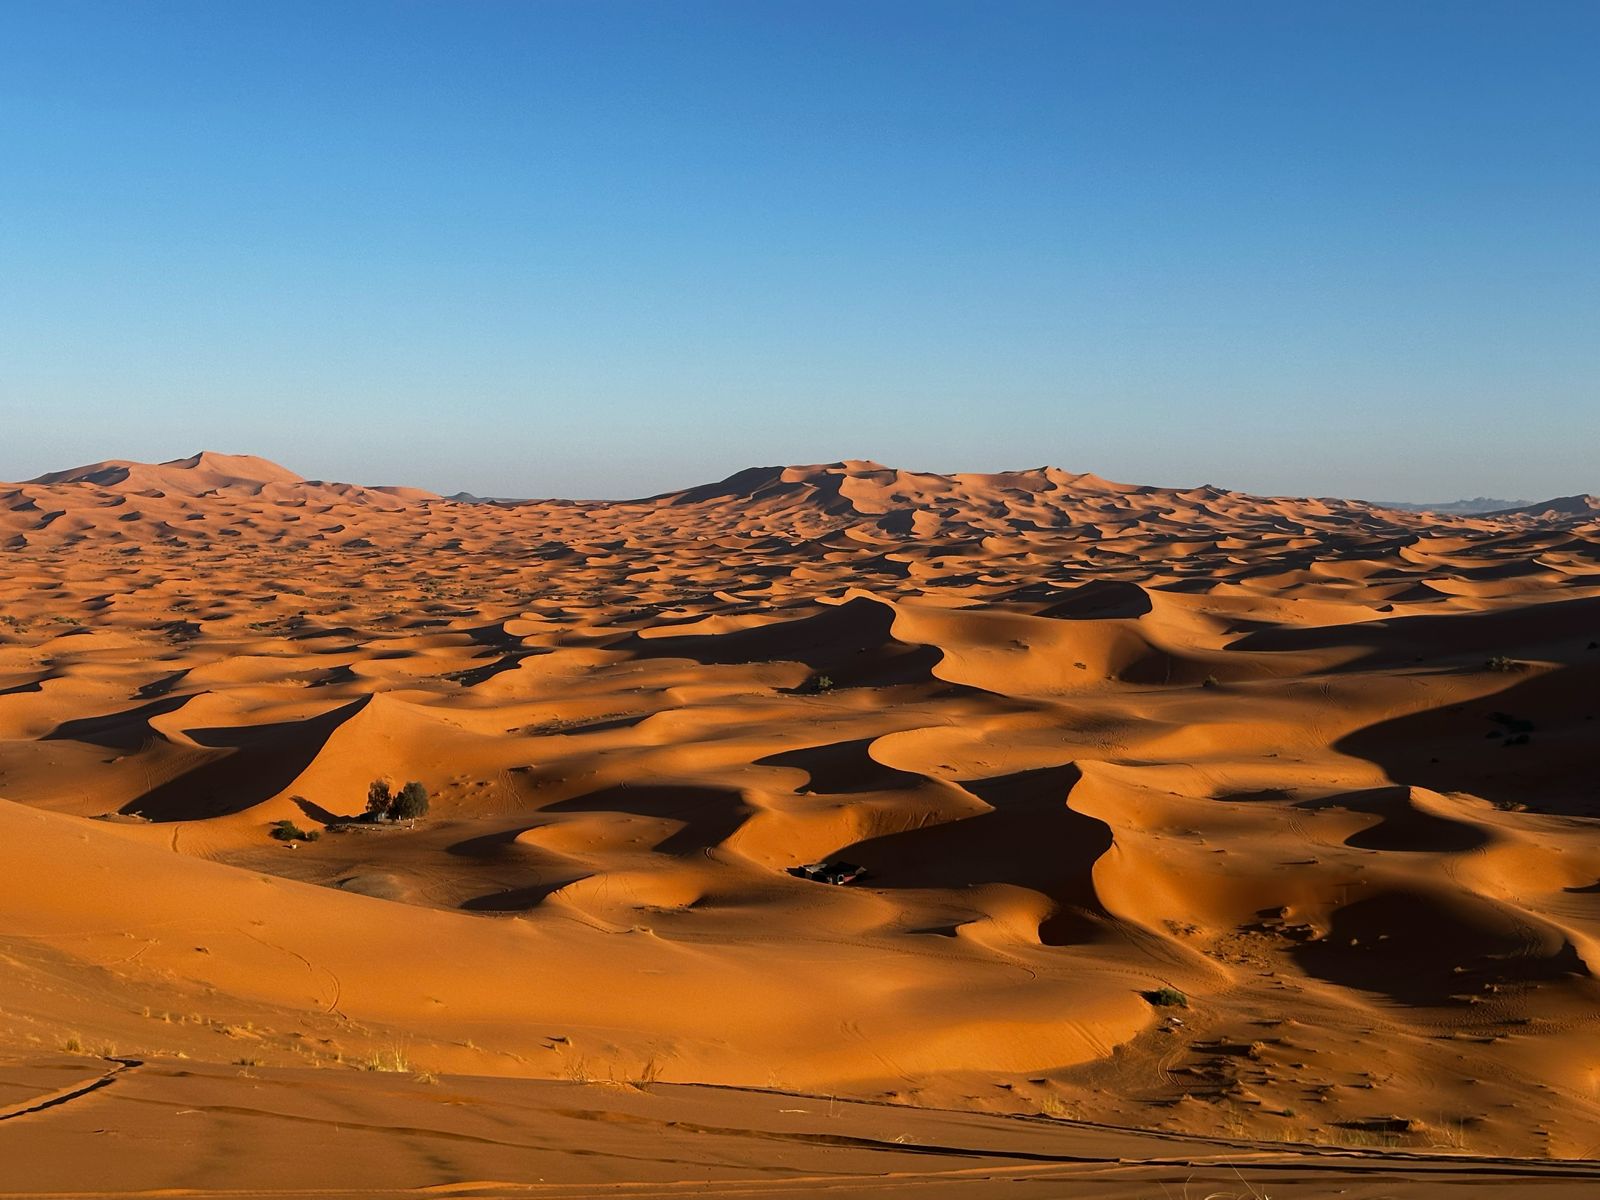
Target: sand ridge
[1324,767]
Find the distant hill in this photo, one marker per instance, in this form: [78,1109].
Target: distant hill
[1458,508]
[210,473]
[199,473]
[811,499]
[1561,508]
[474,498]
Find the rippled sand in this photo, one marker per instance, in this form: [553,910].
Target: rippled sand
[1326,769]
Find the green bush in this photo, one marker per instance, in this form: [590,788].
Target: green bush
[288,831]
[1166,997]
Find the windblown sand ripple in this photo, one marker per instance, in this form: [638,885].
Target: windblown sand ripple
[1327,769]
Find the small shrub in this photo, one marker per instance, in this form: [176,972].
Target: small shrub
[288,831]
[1166,997]
[1501,663]
[1211,681]
[390,1060]
[816,685]
[411,803]
[1517,729]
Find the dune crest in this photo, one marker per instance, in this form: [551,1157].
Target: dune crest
[194,476]
[210,474]
[1171,802]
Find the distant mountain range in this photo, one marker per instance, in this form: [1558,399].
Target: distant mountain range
[1562,507]
[1556,509]
[1044,497]
[474,498]
[1458,508]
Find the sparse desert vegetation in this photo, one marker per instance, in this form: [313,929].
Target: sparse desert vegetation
[614,800]
[385,804]
[474,780]
[1167,997]
[288,831]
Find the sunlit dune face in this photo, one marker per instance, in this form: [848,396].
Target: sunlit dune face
[1321,770]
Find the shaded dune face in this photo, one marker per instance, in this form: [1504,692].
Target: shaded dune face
[853,644]
[1029,809]
[1420,948]
[1326,769]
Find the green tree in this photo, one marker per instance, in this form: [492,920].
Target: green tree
[379,799]
[412,802]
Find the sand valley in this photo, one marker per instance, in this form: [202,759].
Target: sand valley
[1247,837]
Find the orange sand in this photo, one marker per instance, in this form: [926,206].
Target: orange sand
[1088,739]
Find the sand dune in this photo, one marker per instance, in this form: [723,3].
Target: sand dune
[1326,768]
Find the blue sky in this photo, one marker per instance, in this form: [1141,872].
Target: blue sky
[603,248]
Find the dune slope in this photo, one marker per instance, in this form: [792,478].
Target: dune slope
[1320,770]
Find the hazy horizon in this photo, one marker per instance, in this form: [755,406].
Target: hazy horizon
[610,249]
[447,490]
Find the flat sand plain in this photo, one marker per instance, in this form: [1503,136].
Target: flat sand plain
[1325,769]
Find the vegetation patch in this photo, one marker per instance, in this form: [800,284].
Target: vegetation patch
[1514,729]
[1166,997]
[288,831]
[384,804]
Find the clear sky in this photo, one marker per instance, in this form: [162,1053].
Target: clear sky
[602,248]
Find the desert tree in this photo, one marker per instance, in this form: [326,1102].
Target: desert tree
[379,799]
[411,803]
